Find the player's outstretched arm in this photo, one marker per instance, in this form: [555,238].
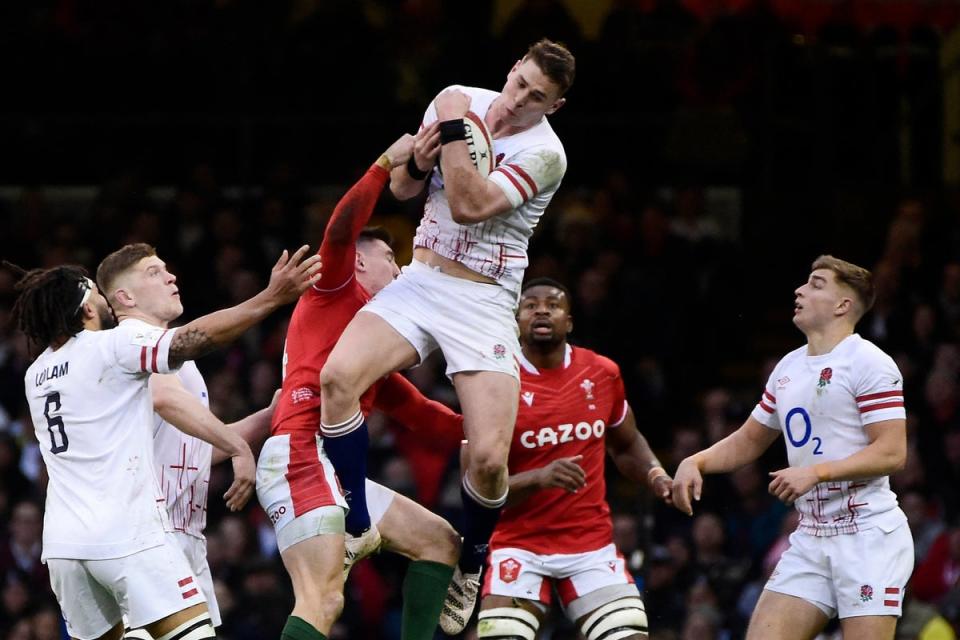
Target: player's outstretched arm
[354,209]
[407,180]
[631,453]
[886,453]
[180,408]
[744,445]
[254,429]
[289,278]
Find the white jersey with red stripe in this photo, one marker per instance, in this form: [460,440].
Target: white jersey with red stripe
[530,166]
[822,404]
[183,463]
[93,416]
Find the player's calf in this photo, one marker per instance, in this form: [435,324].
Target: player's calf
[480,518]
[346,445]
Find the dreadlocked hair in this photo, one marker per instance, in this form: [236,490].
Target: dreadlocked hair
[48,304]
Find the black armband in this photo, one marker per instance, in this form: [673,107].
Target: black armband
[452,130]
[415,171]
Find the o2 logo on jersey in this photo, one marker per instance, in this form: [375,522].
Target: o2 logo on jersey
[562,433]
[791,428]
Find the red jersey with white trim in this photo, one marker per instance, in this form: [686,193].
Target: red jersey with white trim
[322,314]
[564,412]
[183,462]
[93,416]
[325,310]
[530,166]
[821,404]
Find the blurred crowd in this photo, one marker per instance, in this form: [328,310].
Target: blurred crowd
[650,280]
[737,90]
[687,285]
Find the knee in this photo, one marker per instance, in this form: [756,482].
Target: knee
[335,378]
[444,544]
[487,466]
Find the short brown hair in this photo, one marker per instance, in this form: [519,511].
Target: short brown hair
[860,280]
[556,62]
[368,234]
[118,262]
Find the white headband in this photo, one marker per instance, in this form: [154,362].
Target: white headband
[87,285]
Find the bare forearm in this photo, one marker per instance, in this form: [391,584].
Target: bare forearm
[254,429]
[185,413]
[734,451]
[465,188]
[402,185]
[215,330]
[638,461]
[522,486]
[873,461]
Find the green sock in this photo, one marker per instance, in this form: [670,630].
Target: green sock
[424,588]
[299,629]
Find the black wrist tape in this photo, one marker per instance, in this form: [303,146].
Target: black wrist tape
[415,171]
[452,130]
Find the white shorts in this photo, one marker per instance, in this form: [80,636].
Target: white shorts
[472,323]
[195,549]
[855,574]
[326,520]
[517,573]
[146,586]
[296,483]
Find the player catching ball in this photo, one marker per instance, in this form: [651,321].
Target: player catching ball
[459,293]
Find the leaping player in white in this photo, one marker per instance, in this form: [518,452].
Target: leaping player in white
[106,533]
[459,294]
[137,284]
[838,401]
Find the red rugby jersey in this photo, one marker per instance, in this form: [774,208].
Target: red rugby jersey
[322,314]
[564,412]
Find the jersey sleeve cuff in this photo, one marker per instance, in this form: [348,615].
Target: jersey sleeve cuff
[510,186]
[161,353]
[766,419]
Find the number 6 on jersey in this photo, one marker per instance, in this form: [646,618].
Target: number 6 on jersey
[55,421]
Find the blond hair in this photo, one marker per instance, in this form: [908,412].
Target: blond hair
[119,262]
[857,279]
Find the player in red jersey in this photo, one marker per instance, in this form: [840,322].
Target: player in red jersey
[296,484]
[556,528]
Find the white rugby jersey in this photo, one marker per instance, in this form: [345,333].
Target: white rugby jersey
[530,166]
[183,463]
[92,412]
[821,404]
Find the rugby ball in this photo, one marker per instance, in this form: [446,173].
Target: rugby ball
[479,143]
